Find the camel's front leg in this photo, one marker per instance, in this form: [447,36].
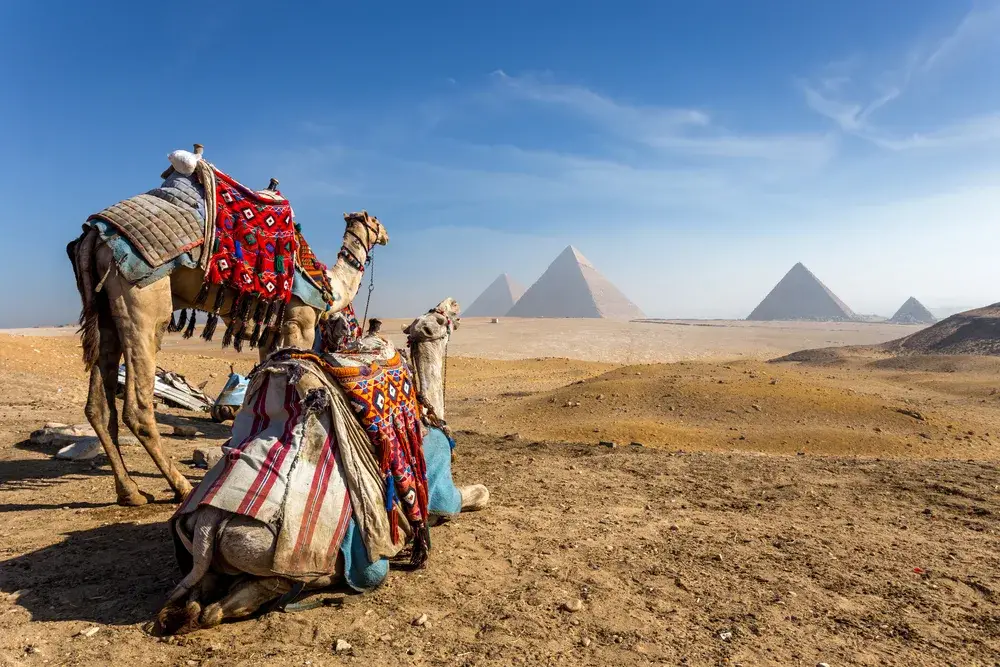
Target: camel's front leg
[245,599]
[141,315]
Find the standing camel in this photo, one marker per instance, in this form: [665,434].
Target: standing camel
[119,319]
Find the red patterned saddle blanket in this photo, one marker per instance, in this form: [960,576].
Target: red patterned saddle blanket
[384,400]
[255,246]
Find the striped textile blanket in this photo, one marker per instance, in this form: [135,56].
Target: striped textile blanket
[299,461]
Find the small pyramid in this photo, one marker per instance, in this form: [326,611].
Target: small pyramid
[913,312]
[496,299]
[801,296]
[572,287]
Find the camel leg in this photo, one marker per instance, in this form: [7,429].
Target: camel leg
[474,497]
[245,599]
[141,315]
[102,410]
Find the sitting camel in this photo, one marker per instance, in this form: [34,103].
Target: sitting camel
[233,558]
[119,319]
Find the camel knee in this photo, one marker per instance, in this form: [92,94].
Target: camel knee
[96,411]
[139,420]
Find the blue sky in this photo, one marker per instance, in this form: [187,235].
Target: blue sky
[692,151]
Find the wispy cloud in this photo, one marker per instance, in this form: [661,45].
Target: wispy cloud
[851,98]
[680,131]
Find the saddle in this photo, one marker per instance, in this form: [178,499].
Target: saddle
[162,223]
[379,388]
[246,241]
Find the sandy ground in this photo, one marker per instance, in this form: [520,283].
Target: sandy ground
[620,342]
[769,514]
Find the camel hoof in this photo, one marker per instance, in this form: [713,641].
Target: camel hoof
[212,616]
[474,497]
[182,492]
[134,498]
[174,619]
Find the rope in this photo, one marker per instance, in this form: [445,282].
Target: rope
[371,287]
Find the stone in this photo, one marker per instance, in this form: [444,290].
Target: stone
[206,457]
[90,632]
[54,433]
[83,449]
[185,430]
[342,646]
[573,605]
[725,636]
[607,443]
[420,620]
[585,642]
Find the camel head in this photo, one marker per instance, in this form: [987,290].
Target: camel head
[436,323]
[366,228]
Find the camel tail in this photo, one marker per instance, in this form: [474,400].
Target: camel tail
[82,253]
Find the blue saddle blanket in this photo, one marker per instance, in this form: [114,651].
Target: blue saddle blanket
[444,499]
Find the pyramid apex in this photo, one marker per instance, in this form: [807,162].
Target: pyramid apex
[571,252]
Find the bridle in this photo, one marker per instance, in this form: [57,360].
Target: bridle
[371,238]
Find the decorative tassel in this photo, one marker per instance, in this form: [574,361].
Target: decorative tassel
[268,337]
[203,294]
[421,546]
[190,325]
[238,250]
[239,336]
[268,312]
[220,298]
[183,319]
[227,338]
[258,316]
[172,327]
[390,505]
[209,331]
[279,316]
[279,264]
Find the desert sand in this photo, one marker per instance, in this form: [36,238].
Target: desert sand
[842,512]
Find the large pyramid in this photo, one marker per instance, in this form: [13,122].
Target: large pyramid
[913,312]
[572,287]
[801,296]
[496,299]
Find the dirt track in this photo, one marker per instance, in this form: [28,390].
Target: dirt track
[706,557]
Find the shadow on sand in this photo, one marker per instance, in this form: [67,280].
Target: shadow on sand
[117,574]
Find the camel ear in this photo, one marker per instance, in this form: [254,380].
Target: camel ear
[407,328]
